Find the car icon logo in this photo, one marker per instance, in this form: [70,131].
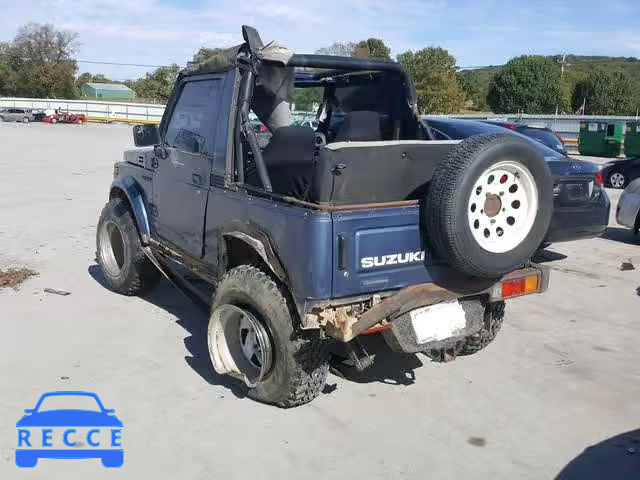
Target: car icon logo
[62,433]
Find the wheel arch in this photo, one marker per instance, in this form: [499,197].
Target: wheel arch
[243,243]
[129,190]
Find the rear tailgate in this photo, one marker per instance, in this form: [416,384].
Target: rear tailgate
[380,249]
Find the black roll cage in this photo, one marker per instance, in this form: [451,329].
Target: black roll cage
[249,61]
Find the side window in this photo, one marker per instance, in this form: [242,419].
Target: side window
[193,121]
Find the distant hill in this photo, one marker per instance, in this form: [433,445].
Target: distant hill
[477,81]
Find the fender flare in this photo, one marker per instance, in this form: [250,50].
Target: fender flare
[135,195]
[257,240]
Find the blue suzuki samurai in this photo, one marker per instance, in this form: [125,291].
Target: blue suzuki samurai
[364,224]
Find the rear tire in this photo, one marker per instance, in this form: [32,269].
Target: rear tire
[617,180]
[299,365]
[125,267]
[493,317]
[25,120]
[489,205]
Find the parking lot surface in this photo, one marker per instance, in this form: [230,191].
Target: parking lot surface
[563,375]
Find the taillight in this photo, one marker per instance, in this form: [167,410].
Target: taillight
[511,126]
[520,286]
[599,180]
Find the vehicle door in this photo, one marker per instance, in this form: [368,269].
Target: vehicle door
[15,115]
[183,163]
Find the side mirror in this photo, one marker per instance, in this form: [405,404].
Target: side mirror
[146,135]
[109,411]
[28,410]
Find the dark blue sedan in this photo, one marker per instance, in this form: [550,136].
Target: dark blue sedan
[581,205]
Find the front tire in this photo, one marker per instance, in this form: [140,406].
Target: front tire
[25,120]
[298,365]
[125,267]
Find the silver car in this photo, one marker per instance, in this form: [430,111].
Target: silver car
[16,115]
[628,213]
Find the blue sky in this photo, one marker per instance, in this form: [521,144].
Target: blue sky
[476,32]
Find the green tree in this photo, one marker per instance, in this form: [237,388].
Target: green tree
[40,62]
[529,84]
[102,78]
[474,88]
[340,49]
[433,71]
[372,48]
[158,84]
[306,99]
[88,77]
[7,75]
[605,93]
[83,78]
[205,53]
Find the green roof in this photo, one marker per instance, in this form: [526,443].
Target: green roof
[109,86]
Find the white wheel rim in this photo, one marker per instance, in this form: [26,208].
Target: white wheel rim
[111,248]
[617,180]
[503,206]
[239,344]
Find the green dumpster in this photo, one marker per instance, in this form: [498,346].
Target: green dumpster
[601,139]
[632,140]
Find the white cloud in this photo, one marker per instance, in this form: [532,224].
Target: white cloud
[479,32]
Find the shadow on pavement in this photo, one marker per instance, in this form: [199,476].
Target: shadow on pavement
[389,367]
[621,234]
[617,458]
[546,255]
[194,321]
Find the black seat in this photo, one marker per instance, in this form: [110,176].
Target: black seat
[360,126]
[289,160]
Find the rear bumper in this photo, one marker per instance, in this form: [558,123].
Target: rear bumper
[343,324]
[574,223]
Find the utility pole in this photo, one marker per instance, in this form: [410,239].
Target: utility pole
[562,62]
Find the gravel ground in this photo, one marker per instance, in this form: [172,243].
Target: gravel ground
[562,376]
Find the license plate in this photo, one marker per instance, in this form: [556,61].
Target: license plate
[576,191]
[438,322]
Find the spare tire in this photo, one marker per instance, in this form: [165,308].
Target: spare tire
[489,205]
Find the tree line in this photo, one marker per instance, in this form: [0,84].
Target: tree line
[40,62]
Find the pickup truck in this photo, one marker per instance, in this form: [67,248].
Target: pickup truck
[322,235]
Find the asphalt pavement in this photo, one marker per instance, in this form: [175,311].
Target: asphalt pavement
[561,377]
